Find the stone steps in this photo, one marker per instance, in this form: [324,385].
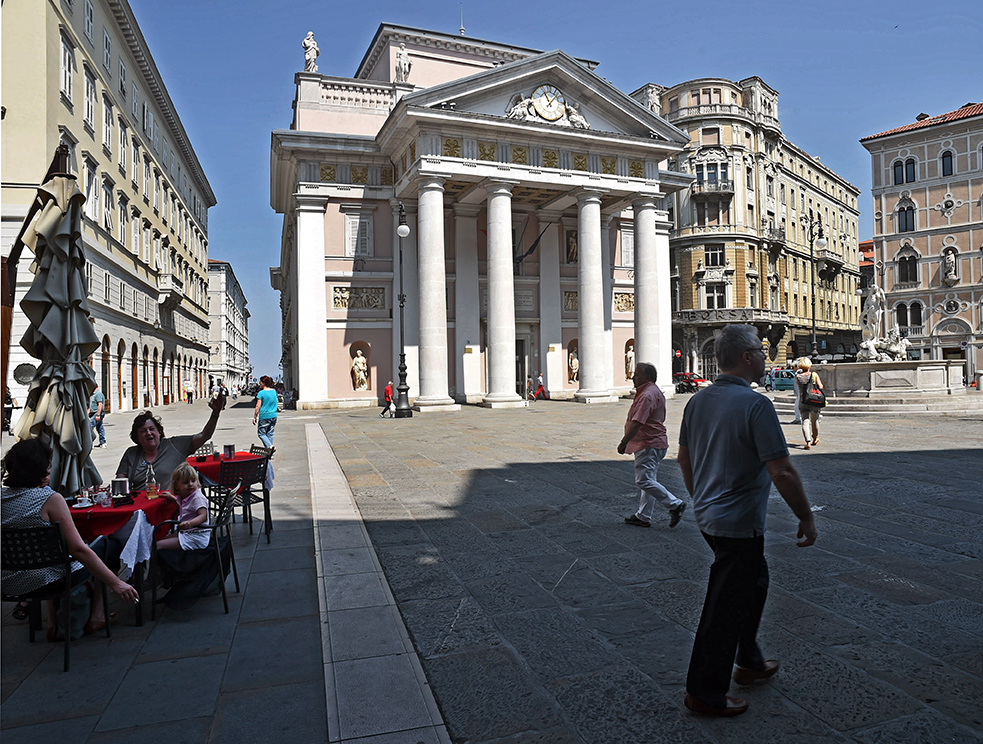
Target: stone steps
[947,405]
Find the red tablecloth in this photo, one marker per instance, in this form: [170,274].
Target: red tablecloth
[209,467]
[105,520]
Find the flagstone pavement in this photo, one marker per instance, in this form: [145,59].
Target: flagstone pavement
[514,605]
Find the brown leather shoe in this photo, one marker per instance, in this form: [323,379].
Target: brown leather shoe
[745,676]
[734,707]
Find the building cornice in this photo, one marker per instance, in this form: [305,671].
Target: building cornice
[130,30]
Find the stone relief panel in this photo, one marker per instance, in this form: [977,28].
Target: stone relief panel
[329,173]
[636,169]
[486,150]
[571,302]
[359,298]
[609,166]
[520,155]
[624,302]
[360,174]
[551,159]
[451,147]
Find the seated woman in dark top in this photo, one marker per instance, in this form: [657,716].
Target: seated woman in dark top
[157,456]
[28,501]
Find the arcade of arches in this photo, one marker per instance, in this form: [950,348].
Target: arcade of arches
[135,377]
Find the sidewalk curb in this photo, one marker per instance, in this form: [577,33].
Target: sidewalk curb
[334,508]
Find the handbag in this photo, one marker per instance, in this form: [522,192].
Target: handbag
[813,395]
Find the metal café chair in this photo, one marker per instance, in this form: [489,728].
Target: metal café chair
[250,473]
[267,454]
[223,517]
[205,450]
[29,548]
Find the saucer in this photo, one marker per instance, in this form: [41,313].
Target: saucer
[83,505]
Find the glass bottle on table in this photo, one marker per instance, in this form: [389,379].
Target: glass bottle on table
[153,488]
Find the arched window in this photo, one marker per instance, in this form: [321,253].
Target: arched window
[906,219]
[901,316]
[915,314]
[947,163]
[909,170]
[908,269]
[898,172]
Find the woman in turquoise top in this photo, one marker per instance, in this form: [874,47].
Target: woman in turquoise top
[265,413]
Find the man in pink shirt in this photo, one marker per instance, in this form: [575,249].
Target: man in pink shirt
[645,438]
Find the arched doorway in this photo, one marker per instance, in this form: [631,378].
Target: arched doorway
[135,376]
[709,361]
[145,388]
[104,375]
[156,389]
[120,377]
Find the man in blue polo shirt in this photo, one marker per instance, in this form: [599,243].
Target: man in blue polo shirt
[731,449]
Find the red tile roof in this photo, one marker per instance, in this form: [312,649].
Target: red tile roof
[970,109]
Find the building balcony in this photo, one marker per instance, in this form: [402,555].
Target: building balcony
[170,291]
[910,331]
[752,315]
[775,235]
[710,109]
[829,264]
[706,189]
[687,230]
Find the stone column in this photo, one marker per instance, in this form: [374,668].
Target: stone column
[311,303]
[646,279]
[551,349]
[467,304]
[432,297]
[593,387]
[608,300]
[501,299]
[663,311]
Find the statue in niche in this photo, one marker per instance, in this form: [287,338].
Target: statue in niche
[572,251]
[403,64]
[574,365]
[360,371]
[630,363]
[949,268]
[311,52]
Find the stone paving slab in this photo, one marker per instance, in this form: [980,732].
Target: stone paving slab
[539,616]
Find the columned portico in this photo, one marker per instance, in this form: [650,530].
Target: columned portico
[433,302]
[312,356]
[501,299]
[590,289]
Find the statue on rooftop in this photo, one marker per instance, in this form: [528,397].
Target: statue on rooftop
[311,52]
[403,64]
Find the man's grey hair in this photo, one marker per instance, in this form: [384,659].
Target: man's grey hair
[648,370]
[732,342]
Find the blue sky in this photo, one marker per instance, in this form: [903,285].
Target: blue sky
[843,70]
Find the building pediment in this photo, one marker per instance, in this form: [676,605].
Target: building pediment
[550,90]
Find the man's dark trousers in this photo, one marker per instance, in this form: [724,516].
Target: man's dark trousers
[736,593]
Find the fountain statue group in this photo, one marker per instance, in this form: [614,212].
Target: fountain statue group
[874,347]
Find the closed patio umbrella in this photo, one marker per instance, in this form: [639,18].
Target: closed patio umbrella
[61,337]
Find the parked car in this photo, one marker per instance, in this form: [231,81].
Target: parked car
[784,380]
[688,382]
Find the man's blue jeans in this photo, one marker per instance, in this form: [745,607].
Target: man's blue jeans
[265,431]
[97,424]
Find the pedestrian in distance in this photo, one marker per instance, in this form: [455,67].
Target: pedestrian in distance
[798,416]
[731,450]
[388,396]
[539,387]
[645,438]
[809,415]
[97,415]
[264,416]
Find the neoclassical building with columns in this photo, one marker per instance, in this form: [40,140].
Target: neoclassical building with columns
[535,196]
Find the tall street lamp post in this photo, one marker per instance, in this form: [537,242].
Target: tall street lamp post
[816,240]
[403,409]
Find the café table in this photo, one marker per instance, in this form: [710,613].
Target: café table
[96,520]
[210,465]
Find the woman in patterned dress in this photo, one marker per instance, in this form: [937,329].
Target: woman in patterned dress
[27,500]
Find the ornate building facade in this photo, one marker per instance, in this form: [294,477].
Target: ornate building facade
[928,232]
[530,188]
[228,326]
[741,231]
[79,72]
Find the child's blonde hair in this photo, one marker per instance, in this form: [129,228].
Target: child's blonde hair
[183,473]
